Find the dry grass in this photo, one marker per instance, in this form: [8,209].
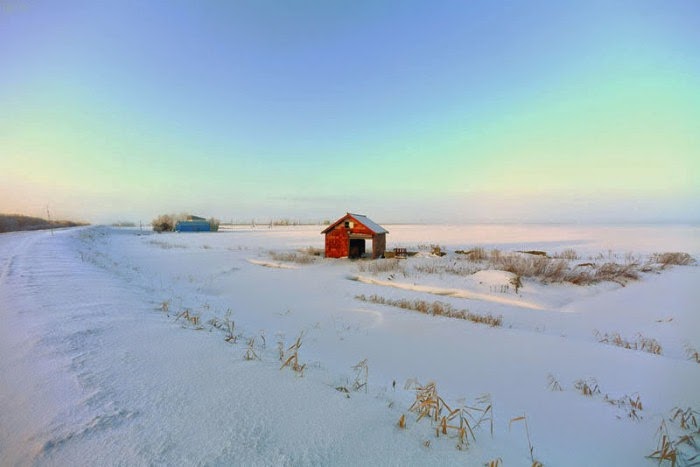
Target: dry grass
[402,421]
[533,252]
[666,450]
[292,360]
[361,375]
[440,266]
[437,250]
[681,448]
[436,308]
[553,384]
[587,387]
[615,272]
[568,254]
[475,254]
[299,257]
[227,325]
[523,418]
[672,259]
[631,404]
[189,317]
[645,344]
[250,353]
[166,245]
[686,418]
[447,421]
[381,266]
[692,353]
[559,268]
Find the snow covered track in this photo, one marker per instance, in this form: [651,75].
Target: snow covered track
[95,369]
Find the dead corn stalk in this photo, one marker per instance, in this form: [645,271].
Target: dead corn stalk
[293,360]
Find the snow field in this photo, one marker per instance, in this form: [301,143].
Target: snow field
[102,374]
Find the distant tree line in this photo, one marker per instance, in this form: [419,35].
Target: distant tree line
[17,222]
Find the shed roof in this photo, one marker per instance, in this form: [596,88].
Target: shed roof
[362,219]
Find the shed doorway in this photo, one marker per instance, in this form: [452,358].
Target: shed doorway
[357,248]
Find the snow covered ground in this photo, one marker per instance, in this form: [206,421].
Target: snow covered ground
[100,365]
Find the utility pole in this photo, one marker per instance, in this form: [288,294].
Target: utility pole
[48,215]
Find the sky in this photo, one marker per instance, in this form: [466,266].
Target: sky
[407,111]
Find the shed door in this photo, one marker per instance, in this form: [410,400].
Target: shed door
[357,248]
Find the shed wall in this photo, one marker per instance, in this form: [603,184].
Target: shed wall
[378,245]
[337,243]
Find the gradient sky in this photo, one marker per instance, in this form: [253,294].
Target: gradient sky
[532,111]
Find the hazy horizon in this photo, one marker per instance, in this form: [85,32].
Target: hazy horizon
[409,112]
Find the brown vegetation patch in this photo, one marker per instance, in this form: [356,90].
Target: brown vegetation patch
[643,343]
[436,308]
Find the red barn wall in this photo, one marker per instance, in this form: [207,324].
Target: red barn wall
[337,243]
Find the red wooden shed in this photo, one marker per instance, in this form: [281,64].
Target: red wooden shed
[346,237]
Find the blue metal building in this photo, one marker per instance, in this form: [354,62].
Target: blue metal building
[193,224]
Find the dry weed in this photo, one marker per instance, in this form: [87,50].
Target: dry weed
[643,343]
[568,254]
[436,308]
[189,317]
[587,387]
[448,421]
[437,250]
[523,418]
[692,353]
[686,418]
[250,353]
[361,375]
[299,257]
[476,254]
[293,360]
[672,258]
[683,448]
[229,326]
[553,384]
[632,405]
[536,264]
[381,266]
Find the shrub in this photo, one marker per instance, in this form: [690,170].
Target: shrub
[164,223]
[672,258]
[475,254]
[568,254]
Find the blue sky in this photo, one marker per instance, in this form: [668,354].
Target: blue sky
[407,111]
